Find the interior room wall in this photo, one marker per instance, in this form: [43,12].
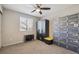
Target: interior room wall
[67,11]
[11,33]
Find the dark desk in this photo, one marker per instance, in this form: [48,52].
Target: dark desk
[28,37]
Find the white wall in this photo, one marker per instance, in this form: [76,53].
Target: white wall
[67,11]
[11,33]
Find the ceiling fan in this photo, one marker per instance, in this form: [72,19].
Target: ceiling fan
[39,9]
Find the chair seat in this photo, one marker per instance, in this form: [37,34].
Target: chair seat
[49,38]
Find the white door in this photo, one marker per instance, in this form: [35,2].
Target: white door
[0,30]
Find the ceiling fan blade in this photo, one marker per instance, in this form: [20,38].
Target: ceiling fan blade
[38,5]
[40,12]
[46,8]
[33,10]
[34,6]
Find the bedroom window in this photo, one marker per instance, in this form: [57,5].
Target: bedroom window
[26,23]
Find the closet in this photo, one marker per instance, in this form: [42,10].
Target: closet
[42,28]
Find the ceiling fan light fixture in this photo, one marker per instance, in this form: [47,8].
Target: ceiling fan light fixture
[38,10]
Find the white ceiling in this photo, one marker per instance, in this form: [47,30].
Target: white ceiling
[27,8]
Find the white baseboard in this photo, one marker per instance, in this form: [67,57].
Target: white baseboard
[4,45]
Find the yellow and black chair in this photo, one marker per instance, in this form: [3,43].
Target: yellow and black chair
[48,40]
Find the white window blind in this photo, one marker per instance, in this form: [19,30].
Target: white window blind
[26,23]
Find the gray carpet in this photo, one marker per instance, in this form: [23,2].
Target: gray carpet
[34,47]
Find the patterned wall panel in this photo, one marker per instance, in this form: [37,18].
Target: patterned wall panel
[68,32]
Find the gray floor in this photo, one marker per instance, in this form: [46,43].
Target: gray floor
[34,47]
